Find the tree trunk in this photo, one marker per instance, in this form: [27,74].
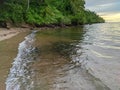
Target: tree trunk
[28,4]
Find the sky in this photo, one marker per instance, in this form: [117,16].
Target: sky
[108,9]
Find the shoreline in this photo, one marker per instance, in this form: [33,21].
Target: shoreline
[6,33]
[9,49]
[9,33]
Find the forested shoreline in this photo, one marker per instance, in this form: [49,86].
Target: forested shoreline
[46,12]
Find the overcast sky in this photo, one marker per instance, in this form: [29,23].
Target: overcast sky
[108,9]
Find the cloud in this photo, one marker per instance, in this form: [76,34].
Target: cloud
[99,2]
[112,17]
[108,9]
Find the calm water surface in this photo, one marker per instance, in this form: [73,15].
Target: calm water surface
[101,47]
[78,58]
[95,63]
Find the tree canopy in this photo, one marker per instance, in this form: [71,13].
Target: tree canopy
[43,12]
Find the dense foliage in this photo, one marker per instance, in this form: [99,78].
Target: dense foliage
[45,12]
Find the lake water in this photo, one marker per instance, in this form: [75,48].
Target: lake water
[101,53]
[76,58]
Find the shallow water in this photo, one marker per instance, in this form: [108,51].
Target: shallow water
[77,58]
[101,47]
[100,53]
[94,65]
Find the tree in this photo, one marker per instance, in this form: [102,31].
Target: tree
[41,12]
[28,4]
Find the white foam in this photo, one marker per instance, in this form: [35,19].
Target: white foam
[19,77]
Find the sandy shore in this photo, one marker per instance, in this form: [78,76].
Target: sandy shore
[8,33]
[8,50]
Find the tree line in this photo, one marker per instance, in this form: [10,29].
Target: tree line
[46,12]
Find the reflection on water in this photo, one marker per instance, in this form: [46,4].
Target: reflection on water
[101,47]
[55,47]
[93,63]
[100,55]
[64,48]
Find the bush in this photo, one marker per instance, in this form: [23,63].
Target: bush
[43,12]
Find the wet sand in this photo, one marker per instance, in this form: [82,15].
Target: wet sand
[8,51]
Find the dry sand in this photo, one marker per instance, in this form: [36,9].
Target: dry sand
[8,33]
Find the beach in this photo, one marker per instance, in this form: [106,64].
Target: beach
[9,42]
[8,33]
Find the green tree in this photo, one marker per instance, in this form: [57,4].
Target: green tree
[42,12]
